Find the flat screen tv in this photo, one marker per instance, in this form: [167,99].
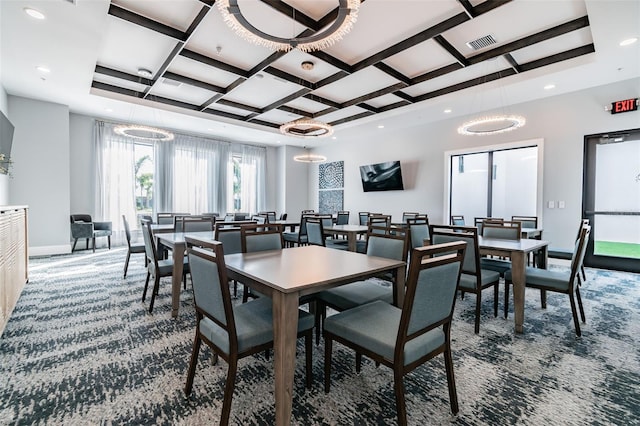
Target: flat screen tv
[6,136]
[382,176]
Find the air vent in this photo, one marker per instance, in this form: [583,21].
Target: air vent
[482,42]
[170,82]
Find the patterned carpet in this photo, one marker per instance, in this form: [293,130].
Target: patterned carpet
[80,348]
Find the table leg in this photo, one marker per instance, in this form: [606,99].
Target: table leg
[398,286]
[285,327]
[518,264]
[176,279]
[351,241]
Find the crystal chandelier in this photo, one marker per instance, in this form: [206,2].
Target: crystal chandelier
[492,125]
[347,15]
[143,132]
[306,128]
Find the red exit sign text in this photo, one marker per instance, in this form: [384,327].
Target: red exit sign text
[624,106]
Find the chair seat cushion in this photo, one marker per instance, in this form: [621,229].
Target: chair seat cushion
[558,280]
[165,266]
[374,326]
[497,265]
[254,325]
[355,294]
[102,233]
[293,237]
[136,248]
[486,277]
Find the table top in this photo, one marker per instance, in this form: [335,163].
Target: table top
[347,228]
[307,267]
[524,244]
[174,238]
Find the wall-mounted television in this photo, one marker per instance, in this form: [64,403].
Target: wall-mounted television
[382,176]
[6,136]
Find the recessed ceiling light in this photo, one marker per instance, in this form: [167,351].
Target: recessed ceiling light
[549,86]
[108,109]
[380,126]
[43,69]
[334,138]
[628,41]
[36,14]
[447,111]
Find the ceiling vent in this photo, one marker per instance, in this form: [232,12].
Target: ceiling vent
[482,42]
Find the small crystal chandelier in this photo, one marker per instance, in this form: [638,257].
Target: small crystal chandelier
[306,128]
[492,125]
[347,15]
[310,158]
[148,133]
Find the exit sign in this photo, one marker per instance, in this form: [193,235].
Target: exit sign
[624,106]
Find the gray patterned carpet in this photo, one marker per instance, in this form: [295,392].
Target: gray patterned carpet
[80,348]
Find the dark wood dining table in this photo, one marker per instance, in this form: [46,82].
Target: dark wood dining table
[518,251]
[286,275]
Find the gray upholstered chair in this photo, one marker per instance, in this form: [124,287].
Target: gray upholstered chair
[156,266]
[131,248]
[231,331]
[503,231]
[474,279]
[418,230]
[82,226]
[342,218]
[379,244]
[232,243]
[316,236]
[457,220]
[298,237]
[193,223]
[404,338]
[259,238]
[566,282]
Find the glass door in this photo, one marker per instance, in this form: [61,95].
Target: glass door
[611,200]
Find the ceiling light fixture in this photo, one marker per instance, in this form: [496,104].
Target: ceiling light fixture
[628,41]
[43,69]
[306,128]
[310,158]
[549,87]
[36,14]
[147,133]
[347,15]
[492,125]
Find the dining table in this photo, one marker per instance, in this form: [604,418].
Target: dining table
[350,231]
[518,251]
[175,242]
[288,274]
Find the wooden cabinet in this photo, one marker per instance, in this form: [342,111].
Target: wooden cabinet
[14,258]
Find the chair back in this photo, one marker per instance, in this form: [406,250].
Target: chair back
[434,273]
[230,239]
[283,216]
[418,231]
[579,251]
[261,238]
[457,220]
[168,218]
[81,218]
[269,215]
[382,243]
[526,221]
[308,211]
[150,247]
[379,221]
[479,221]
[195,223]
[315,232]
[363,218]
[408,215]
[127,231]
[229,217]
[211,295]
[502,230]
[259,218]
[469,234]
[327,219]
[146,217]
[342,218]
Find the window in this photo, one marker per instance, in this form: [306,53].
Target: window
[144,178]
[498,181]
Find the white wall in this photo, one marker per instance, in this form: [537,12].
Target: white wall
[4,179]
[82,165]
[562,121]
[40,155]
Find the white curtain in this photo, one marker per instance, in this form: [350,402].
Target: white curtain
[115,180]
[252,179]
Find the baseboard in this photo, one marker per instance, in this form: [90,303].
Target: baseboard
[49,250]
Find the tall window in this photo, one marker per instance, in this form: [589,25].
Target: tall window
[494,183]
[144,178]
[246,180]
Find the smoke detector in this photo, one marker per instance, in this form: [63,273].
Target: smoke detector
[307,65]
[145,73]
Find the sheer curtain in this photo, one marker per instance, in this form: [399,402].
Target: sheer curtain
[115,180]
[252,179]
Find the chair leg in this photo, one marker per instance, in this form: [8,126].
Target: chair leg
[109,241]
[478,304]
[507,285]
[451,381]
[574,312]
[93,244]
[584,319]
[87,243]
[156,287]
[495,299]
[584,275]
[327,363]
[74,244]
[358,362]
[543,299]
[228,390]
[321,310]
[146,285]
[192,364]
[126,264]
[398,387]
[308,348]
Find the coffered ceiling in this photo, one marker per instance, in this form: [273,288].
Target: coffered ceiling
[400,57]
